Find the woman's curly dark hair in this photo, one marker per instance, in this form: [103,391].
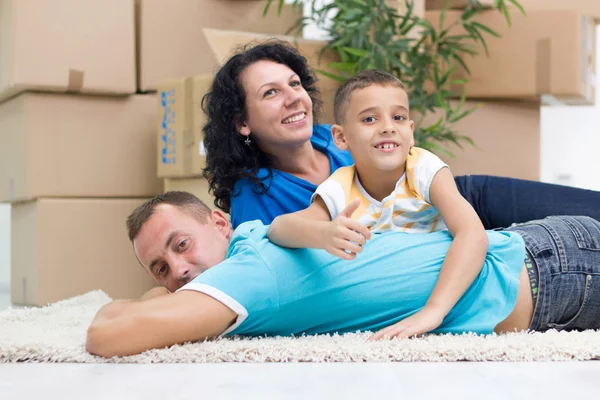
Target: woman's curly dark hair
[228,159]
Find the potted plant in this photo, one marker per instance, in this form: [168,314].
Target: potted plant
[371,34]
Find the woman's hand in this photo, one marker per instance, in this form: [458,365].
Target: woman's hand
[344,237]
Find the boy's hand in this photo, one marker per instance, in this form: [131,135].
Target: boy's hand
[420,322]
[344,237]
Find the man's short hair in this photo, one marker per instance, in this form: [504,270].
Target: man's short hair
[361,80]
[186,202]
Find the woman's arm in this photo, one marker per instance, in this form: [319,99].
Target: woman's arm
[126,327]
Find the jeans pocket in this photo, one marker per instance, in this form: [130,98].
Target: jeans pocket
[585,230]
[571,294]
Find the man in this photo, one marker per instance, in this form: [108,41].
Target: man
[220,282]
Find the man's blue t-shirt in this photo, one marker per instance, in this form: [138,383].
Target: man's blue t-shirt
[286,192]
[280,291]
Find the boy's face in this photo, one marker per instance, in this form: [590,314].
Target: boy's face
[377,129]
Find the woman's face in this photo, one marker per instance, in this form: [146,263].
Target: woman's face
[279,110]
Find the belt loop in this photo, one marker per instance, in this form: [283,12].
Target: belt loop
[562,254]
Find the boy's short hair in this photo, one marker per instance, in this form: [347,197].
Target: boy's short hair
[361,80]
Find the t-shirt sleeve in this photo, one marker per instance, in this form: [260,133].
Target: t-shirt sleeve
[425,169]
[244,283]
[332,193]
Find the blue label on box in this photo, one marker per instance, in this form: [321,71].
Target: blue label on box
[168,138]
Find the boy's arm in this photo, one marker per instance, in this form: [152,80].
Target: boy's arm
[312,228]
[461,266]
[302,228]
[467,252]
[126,327]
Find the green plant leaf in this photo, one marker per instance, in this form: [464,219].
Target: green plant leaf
[518,5]
[344,66]
[355,52]
[436,148]
[368,33]
[268,5]
[462,63]
[486,29]
[507,16]
[332,76]
[459,82]
[460,116]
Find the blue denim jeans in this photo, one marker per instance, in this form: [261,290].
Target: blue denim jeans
[566,250]
[500,201]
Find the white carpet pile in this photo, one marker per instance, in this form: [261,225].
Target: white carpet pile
[56,333]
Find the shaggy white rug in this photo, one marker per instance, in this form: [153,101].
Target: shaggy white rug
[56,333]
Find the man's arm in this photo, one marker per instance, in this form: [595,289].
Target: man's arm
[127,327]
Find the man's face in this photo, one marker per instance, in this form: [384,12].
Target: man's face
[175,247]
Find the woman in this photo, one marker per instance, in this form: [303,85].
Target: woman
[267,153]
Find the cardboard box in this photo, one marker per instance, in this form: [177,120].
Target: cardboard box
[59,145]
[171,40]
[401,6]
[196,185]
[507,136]
[66,247]
[543,53]
[223,42]
[181,150]
[67,45]
[174,127]
[586,7]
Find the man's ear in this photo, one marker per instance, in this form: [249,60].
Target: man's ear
[337,132]
[412,136]
[221,222]
[244,129]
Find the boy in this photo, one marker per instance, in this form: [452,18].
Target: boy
[392,186]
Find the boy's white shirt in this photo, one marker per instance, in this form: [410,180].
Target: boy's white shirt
[407,209]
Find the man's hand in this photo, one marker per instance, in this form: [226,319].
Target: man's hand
[344,237]
[421,322]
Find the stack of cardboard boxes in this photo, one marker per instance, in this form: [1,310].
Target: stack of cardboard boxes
[546,57]
[74,143]
[85,86]
[78,112]
[587,7]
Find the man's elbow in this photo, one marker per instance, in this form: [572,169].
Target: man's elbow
[107,338]
[99,340]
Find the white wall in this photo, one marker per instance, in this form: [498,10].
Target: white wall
[4,246]
[311,31]
[570,142]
